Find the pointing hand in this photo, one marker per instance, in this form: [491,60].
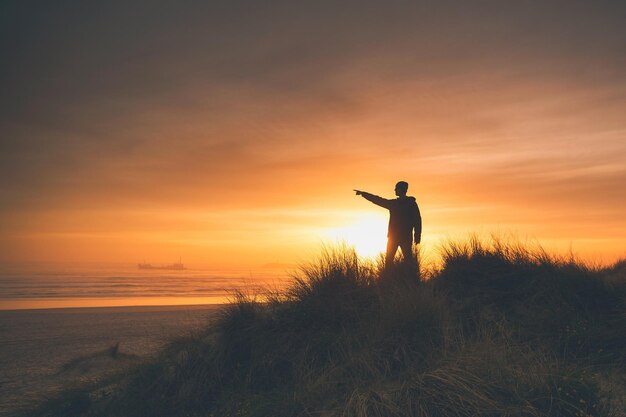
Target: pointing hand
[358,192]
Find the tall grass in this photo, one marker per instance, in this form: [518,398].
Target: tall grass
[498,330]
[551,299]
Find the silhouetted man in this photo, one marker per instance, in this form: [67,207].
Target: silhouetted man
[404,216]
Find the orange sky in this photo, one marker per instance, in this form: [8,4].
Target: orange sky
[232,134]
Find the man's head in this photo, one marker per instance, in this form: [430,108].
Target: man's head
[401,188]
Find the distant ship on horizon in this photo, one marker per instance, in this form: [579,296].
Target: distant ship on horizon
[177,266]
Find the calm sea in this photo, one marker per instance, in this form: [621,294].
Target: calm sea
[27,286]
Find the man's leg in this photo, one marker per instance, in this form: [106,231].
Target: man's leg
[392,248]
[407,251]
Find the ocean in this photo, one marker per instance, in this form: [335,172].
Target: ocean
[28,286]
[60,323]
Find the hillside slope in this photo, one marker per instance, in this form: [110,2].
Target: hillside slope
[498,330]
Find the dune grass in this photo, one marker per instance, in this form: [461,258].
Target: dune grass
[498,330]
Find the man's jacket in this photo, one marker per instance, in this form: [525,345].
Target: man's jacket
[404,216]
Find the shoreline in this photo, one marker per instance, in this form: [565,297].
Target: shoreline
[120,309]
[26,304]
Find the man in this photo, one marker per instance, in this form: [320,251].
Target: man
[404,216]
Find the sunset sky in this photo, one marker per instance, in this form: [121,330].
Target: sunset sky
[232,133]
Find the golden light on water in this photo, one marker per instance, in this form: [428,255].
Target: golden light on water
[74,302]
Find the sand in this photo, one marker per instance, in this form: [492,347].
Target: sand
[45,350]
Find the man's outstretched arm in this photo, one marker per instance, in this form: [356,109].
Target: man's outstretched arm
[379,201]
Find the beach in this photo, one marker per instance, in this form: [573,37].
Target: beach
[45,350]
[60,323]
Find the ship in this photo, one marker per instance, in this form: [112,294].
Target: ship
[177,266]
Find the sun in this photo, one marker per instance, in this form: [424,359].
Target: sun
[367,233]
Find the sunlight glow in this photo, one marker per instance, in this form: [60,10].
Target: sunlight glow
[368,234]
